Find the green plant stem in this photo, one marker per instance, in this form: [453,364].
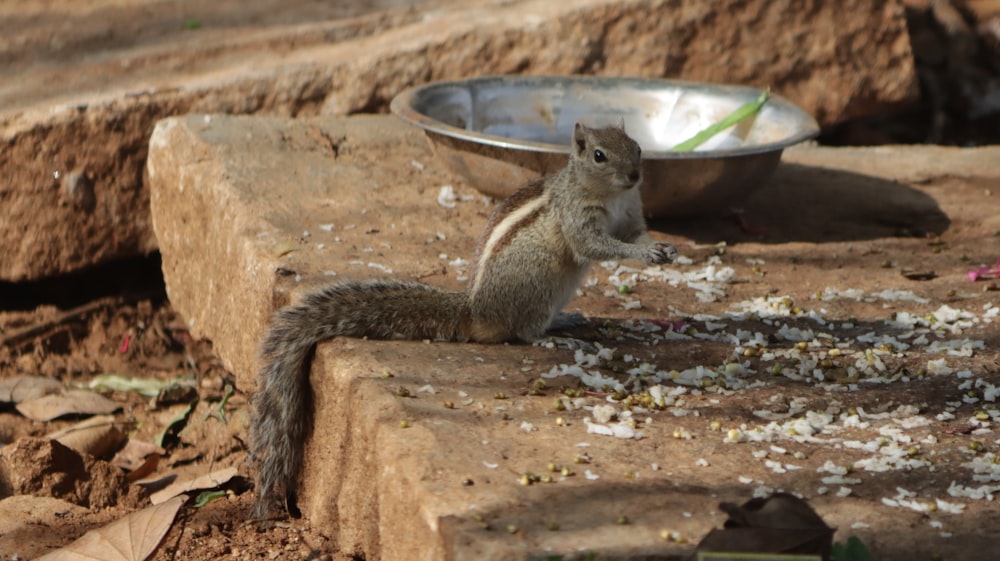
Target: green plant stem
[746,110]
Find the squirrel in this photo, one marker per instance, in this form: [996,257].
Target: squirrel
[535,250]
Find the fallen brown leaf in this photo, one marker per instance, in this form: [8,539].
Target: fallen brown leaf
[781,523]
[135,453]
[26,388]
[208,481]
[98,436]
[144,470]
[132,538]
[70,402]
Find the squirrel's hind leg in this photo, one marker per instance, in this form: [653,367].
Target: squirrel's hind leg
[566,320]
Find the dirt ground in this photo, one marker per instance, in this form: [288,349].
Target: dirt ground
[117,320]
[48,49]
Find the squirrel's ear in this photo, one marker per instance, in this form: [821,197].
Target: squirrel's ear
[621,123]
[580,139]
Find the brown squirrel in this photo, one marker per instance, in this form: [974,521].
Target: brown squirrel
[535,250]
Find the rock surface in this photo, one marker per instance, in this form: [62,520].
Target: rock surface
[74,151]
[251,212]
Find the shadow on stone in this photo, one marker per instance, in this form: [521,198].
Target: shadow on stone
[624,518]
[812,204]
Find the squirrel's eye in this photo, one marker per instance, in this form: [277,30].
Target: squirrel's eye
[599,156]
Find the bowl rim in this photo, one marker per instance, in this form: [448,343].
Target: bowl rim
[402,107]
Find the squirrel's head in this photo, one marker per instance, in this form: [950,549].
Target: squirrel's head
[608,154]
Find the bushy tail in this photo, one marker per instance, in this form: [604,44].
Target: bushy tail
[282,413]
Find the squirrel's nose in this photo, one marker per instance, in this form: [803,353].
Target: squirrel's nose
[634,176]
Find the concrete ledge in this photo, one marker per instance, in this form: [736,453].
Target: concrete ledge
[251,211]
[261,242]
[447,487]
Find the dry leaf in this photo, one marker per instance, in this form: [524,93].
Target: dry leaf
[27,388]
[98,436]
[135,453]
[781,523]
[780,510]
[209,481]
[132,538]
[144,470]
[70,402]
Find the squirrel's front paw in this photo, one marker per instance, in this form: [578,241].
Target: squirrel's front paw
[661,252]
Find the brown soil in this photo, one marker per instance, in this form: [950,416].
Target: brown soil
[132,338]
[49,50]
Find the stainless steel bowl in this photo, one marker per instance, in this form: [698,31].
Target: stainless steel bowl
[500,132]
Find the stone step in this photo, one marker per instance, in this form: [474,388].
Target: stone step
[250,213]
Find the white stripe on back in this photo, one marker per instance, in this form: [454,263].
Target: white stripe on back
[511,222]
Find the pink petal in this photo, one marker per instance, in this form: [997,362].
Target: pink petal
[984,271]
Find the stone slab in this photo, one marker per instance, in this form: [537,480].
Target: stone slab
[251,212]
[74,194]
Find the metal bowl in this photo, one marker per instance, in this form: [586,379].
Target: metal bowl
[500,132]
